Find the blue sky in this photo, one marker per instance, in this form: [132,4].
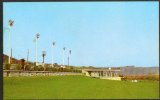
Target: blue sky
[98,33]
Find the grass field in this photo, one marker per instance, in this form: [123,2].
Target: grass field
[81,87]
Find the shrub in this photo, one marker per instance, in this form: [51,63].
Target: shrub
[67,70]
[123,78]
[27,67]
[64,70]
[32,68]
[18,67]
[54,69]
[79,71]
[57,69]
[35,68]
[70,67]
[7,66]
[60,69]
[48,68]
[41,68]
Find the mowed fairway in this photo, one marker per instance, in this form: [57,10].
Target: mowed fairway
[81,87]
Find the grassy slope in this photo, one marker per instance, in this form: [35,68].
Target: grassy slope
[76,87]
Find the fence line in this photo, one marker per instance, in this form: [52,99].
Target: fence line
[16,73]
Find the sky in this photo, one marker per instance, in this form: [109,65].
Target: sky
[99,34]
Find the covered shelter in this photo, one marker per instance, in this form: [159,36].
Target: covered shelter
[113,74]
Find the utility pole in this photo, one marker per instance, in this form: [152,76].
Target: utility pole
[10,24]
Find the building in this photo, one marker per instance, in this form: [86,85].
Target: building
[112,74]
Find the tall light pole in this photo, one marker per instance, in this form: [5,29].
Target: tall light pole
[69,57]
[63,56]
[37,36]
[10,24]
[11,55]
[27,55]
[52,52]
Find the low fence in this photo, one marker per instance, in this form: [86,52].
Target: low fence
[17,73]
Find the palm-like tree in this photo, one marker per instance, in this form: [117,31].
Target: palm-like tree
[43,55]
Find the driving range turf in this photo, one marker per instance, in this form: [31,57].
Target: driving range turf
[76,87]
